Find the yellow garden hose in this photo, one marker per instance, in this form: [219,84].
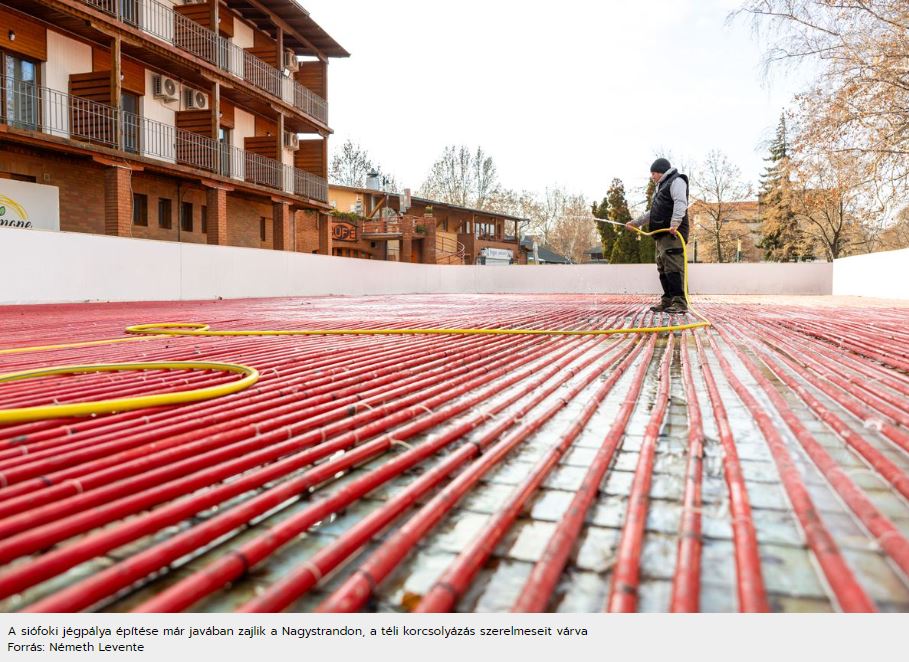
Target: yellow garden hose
[26,414]
[195,329]
[250,375]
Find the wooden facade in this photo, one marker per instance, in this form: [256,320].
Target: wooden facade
[22,35]
[133,71]
[312,156]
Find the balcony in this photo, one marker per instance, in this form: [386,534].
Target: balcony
[27,106]
[162,22]
[385,228]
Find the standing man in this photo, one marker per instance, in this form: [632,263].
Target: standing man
[669,210]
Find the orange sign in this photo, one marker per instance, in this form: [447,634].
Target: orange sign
[343,231]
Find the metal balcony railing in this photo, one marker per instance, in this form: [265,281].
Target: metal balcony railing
[24,105]
[163,22]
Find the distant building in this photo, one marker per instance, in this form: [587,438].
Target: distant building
[379,225]
[537,253]
[741,235]
[594,255]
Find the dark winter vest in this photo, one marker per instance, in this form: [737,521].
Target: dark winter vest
[661,210]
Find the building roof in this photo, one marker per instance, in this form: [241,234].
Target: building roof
[436,203]
[545,253]
[296,17]
[363,189]
[428,202]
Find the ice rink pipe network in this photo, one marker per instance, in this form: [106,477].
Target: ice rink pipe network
[251,375]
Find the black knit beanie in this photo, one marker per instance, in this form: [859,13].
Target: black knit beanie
[660,166]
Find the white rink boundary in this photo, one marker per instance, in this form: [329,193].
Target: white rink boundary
[58,267]
[884,275]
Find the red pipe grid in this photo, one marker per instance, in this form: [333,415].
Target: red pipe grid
[97,513]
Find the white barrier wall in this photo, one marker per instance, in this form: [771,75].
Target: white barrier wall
[43,267]
[884,275]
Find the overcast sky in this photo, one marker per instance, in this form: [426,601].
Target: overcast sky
[568,92]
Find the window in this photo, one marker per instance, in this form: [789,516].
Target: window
[204,219]
[165,214]
[485,231]
[20,83]
[224,146]
[140,209]
[129,103]
[186,216]
[262,228]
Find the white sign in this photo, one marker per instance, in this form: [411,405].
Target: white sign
[496,253]
[29,206]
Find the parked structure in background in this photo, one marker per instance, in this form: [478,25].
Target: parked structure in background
[201,121]
[538,253]
[375,224]
[594,255]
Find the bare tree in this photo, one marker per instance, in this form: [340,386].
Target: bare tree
[828,204]
[717,184]
[462,177]
[859,102]
[573,232]
[896,235]
[351,164]
[485,177]
[552,207]
[524,204]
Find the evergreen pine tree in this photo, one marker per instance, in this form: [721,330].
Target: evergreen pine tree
[625,247]
[781,238]
[646,245]
[607,231]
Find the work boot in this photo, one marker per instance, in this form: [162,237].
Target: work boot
[666,299]
[663,305]
[678,306]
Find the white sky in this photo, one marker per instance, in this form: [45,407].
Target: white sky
[567,92]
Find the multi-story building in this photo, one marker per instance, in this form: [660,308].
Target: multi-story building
[374,224]
[188,120]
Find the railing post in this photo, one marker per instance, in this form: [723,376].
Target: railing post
[116,91]
[215,105]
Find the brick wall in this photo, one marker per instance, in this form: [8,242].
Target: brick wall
[156,187]
[81,184]
[243,222]
[307,228]
[117,201]
[83,195]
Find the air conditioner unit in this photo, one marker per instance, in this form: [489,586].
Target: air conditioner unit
[195,100]
[291,140]
[290,60]
[164,88]
[194,2]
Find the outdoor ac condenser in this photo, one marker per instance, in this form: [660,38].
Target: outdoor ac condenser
[164,88]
